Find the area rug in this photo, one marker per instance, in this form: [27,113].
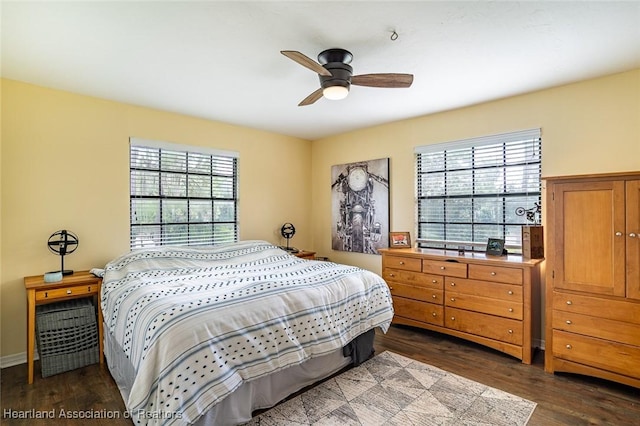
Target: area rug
[391,389]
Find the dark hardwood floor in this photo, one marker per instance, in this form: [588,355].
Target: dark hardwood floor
[562,399]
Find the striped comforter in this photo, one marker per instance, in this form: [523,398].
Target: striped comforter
[197,322]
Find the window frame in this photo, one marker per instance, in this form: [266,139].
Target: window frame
[512,144]
[178,174]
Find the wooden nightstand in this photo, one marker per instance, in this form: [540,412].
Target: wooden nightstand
[80,284]
[302,254]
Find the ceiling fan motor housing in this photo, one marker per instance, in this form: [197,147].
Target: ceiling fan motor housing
[337,62]
[340,75]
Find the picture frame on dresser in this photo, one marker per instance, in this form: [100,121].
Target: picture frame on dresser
[495,247]
[399,240]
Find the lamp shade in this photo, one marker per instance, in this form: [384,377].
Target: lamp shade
[335,92]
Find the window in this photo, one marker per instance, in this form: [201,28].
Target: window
[182,195]
[476,189]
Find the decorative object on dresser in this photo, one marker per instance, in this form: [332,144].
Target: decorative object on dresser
[593,276]
[39,292]
[399,240]
[63,242]
[484,299]
[495,247]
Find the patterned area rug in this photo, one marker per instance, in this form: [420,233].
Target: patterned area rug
[391,389]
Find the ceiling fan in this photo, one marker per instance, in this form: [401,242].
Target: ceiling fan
[336,75]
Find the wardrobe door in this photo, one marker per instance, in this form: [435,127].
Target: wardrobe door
[633,239]
[590,237]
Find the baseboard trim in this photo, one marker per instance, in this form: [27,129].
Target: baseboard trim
[16,359]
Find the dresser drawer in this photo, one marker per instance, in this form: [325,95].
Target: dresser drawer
[66,292]
[599,353]
[416,292]
[442,267]
[618,331]
[414,278]
[498,274]
[619,310]
[419,311]
[503,329]
[485,305]
[400,262]
[510,292]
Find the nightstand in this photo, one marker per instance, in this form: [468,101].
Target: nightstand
[302,254]
[79,284]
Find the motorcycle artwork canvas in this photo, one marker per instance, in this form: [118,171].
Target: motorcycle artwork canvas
[360,204]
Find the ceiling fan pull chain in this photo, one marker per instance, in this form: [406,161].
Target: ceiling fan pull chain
[394,36]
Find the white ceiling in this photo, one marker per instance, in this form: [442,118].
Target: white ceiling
[221,60]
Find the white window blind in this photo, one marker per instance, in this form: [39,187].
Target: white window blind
[182,195]
[480,188]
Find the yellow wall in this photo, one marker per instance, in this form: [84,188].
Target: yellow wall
[65,165]
[587,127]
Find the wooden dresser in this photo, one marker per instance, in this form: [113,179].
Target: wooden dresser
[485,299]
[593,276]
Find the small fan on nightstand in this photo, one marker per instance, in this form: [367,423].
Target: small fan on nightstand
[288,231]
[62,243]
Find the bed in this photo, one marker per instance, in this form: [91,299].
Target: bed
[207,335]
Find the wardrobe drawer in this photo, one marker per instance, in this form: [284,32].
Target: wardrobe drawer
[419,311]
[599,353]
[416,292]
[492,327]
[498,274]
[509,292]
[442,267]
[619,310]
[400,262]
[485,305]
[414,278]
[618,331]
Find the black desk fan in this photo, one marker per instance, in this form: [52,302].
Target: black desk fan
[288,231]
[62,243]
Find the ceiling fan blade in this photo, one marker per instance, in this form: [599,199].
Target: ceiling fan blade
[383,80]
[306,61]
[311,98]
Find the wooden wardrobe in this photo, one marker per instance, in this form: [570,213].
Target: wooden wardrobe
[593,276]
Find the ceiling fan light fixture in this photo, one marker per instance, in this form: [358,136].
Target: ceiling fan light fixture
[335,92]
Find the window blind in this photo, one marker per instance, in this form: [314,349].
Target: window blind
[182,195]
[480,188]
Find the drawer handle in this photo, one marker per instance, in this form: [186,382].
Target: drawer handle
[433,314]
[434,281]
[453,299]
[510,331]
[453,318]
[68,291]
[453,284]
[442,268]
[568,346]
[510,309]
[390,288]
[433,296]
[510,292]
[568,321]
[569,302]
[493,273]
[401,262]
